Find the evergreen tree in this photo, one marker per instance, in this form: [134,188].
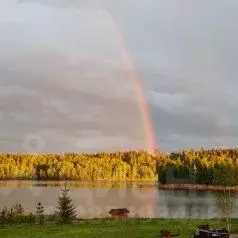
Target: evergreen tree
[66,210]
[40,213]
[18,209]
[10,216]
[18,213]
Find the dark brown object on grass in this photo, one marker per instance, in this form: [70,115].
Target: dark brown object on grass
[165,233]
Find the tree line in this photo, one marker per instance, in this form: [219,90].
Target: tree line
[132,165]
[204,166]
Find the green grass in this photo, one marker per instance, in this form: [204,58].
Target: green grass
[111,228]
[235,226]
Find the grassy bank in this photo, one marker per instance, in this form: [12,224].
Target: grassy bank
[106,228]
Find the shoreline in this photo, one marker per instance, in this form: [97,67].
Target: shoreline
[102,183]
[197,187]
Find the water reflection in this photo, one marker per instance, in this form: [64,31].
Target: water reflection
[188,203]
[95,199]
[79,184]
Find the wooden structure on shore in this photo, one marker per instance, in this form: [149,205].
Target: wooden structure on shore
[119,213]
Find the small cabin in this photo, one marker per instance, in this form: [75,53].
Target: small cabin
[119,213]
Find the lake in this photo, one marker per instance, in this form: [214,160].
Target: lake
[95,199]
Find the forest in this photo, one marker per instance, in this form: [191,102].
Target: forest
[203,166]
[119,166]
[206,167]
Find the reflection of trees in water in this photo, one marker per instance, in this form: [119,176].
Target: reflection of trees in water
[197,210]
[189,209]
[189,204]
[176,207]
[102,184]
[79,184]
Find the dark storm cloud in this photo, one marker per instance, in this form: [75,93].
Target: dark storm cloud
[63,80]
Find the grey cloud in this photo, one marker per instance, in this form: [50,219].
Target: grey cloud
[186,53]
[61,116]
[62,73]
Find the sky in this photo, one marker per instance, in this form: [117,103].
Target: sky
[64,86]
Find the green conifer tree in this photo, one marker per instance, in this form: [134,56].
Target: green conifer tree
[10,216]
[18,209]
[66,210]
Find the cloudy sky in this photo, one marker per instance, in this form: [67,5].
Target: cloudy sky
[64,85]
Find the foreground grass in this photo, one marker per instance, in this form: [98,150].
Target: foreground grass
[113,228]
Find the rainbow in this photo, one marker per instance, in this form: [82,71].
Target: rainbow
[135,78]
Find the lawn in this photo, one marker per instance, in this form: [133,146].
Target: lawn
[113,228]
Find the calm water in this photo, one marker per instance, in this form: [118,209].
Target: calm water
[95,199]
